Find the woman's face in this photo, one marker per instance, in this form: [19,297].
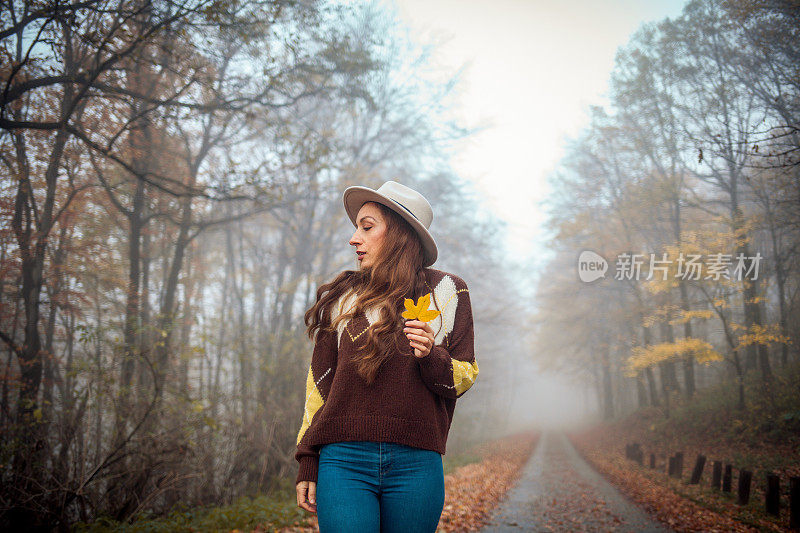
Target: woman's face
[370,229]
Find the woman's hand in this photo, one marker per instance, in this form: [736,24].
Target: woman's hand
[420,336]
[307,488]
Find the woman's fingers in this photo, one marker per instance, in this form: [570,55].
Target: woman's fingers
[306,491]
[420,338]
[312,492]
[423,330]
[420,341]
[421,344]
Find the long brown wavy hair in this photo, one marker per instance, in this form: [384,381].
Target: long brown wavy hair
[397,273]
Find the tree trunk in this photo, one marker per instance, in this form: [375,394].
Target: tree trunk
[752,309]
[608,405]
[29,459]
[651,380]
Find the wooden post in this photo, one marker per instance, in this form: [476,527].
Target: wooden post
[671,466]
[773,494]
[652,460]
[716,480]
[698,469]
[726,479]
[745,476]
[634,452]
[794,502]
[679,464]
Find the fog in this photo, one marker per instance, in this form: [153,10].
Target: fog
[172,179]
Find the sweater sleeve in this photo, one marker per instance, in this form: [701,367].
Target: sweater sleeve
[318,385]
[450,368]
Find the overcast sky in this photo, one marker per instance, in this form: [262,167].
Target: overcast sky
[534,67]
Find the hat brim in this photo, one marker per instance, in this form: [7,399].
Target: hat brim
[356,196]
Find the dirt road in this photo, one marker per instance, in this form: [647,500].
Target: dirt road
[559,491]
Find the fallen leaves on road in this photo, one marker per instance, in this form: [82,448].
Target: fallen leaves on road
[472,491]
[577,506]
[562,493]
[679,513]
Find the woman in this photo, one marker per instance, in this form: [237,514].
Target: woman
[381,389]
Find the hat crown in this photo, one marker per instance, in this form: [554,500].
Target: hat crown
[410,200]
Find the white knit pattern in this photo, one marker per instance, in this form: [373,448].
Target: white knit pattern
[344,304]
[446,296]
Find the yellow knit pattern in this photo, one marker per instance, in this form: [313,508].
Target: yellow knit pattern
[313,402]
[464,374]
[357,336]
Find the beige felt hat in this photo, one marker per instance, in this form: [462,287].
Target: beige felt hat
[407,202]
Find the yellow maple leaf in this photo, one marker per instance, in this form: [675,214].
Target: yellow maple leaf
[419,310]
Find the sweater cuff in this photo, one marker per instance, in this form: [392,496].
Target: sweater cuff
[438,361]
[437,371]
[308,469]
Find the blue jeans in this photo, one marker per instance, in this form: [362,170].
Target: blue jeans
[367,487]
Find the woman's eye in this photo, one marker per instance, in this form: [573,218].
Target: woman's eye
[367,229]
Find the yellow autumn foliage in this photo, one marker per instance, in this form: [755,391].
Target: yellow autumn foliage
[762,334]
[647,356]
[666,312]
[721,303]
[685,316]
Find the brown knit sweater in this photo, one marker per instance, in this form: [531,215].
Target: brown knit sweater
[412,399]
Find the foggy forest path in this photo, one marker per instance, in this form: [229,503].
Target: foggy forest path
[559,491]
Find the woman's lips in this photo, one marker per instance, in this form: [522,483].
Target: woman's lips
[360,255]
